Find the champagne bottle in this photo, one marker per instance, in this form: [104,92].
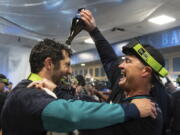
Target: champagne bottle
[76,27]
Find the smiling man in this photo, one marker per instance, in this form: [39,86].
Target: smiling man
[136,76]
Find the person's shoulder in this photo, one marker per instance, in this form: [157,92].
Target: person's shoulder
[21,88]
[21,92]
[31,99]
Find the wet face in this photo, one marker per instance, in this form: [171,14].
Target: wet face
[62,69]
[131,71]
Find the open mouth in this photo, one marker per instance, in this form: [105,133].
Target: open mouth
[123,76]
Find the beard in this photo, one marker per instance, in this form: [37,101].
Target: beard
[56,76]
[55,79]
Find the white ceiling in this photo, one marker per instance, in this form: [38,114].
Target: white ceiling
[38,19]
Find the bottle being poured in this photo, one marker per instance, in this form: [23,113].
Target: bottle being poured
[76,27]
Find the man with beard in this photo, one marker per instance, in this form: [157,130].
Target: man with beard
[31,111]
[137,76]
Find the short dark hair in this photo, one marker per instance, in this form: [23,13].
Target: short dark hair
[44,49]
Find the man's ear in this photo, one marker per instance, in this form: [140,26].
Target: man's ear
[48,64]
[147,71]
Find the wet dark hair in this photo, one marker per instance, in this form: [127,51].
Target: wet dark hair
[44,49]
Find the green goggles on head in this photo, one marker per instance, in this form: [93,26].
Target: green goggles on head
[4,81]
[146,56]
[142,53]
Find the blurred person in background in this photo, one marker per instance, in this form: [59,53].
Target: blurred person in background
[3,83]
[169,86]
[100,91]
[80,89]
[9,87]
[178,80]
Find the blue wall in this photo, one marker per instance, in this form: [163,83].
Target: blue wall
[163,39]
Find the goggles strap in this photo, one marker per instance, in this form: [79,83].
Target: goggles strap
[146,56]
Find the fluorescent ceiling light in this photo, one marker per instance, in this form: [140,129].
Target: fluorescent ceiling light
[162,19]
[83,64]
[89,41]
